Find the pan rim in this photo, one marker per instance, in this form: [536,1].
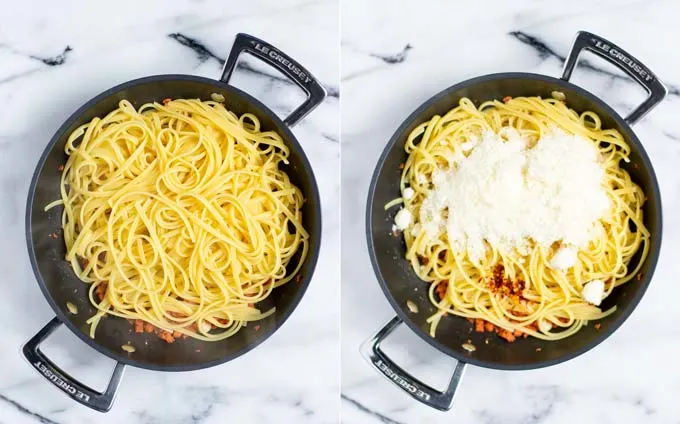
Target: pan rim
[315,239]
[654,248]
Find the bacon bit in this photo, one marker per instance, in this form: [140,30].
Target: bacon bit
[639,276]
[176,334]
[507,335]
[61,168]
[166,101]
[166,336]
[423,260]
[139,326]
[84,262]
[298,278]
[479,325]
[100,291]
[441,290]
[402,165]
[517,333]
[507,99]
[470,320]
[489,326]
[598,326]
[257,328]
[149,328]
[501,284]
[251,305]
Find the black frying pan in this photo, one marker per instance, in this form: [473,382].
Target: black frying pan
[60,285]
[400,284]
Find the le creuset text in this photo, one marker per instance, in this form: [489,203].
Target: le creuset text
[403,383]
[61,383]
[625,59]
[277,57]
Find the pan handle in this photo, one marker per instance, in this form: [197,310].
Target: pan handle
[622,60]
[282,62]
[418,390]
[76,390]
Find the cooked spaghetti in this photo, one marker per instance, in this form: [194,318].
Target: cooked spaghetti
[518,288]
[179,217]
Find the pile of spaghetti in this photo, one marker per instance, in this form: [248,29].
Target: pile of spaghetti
[510,264]
[179,217]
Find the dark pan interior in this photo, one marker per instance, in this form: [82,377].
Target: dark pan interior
[59,283]
[400,283]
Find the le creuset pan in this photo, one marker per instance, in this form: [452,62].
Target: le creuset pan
[60,285]
[400,284]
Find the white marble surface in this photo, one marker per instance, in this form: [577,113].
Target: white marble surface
[294,376]
[395,55]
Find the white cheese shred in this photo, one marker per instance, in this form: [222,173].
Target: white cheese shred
[509,193]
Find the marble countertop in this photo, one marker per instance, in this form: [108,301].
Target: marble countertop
[397,54]
[54,56]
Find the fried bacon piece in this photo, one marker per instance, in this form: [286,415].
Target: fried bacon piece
[504,286]
[506,334]
[100,291]
[166,336]
[441,289]
[484,326]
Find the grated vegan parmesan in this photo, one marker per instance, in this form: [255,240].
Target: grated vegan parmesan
[509,193]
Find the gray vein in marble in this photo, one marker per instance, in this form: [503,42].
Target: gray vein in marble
[327,136]
[544,52]
[672,136]
[387,59]
[392,59]
[378,416]
[20,75]
[50,61]
[37,417]
[204,54]
[297,404]
[57,60]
